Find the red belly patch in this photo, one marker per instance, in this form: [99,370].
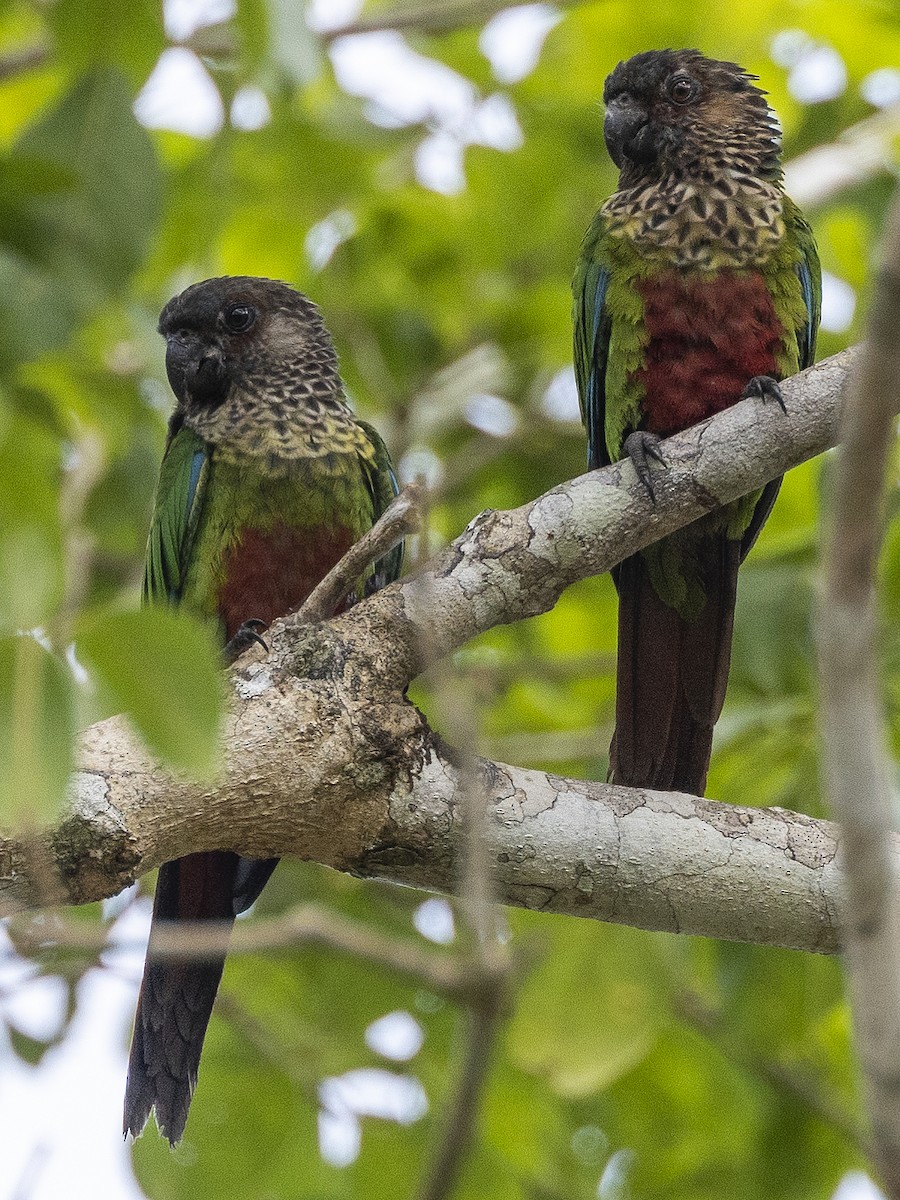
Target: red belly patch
[270,571]
[708,338]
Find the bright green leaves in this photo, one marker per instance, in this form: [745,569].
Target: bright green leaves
[580,1048]
[82,189]
[36,729]
[98,227]
[162,668]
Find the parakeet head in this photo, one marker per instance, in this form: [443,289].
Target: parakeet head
[676,112]
[253,366]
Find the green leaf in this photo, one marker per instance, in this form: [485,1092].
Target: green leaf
[96,230]
[36,730]
[162,667]
[583,1047]
[30,1050]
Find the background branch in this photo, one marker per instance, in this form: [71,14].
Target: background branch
[855,758]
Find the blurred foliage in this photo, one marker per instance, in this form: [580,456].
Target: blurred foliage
[451,313]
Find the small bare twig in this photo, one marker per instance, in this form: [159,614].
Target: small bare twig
[431,18]
[488,960]
[307,924]
[400,519]
[792,1080]
[20,61]
[859,153]
[856,766]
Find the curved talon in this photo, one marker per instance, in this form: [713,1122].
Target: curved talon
[244,638]
[765,388]
[641,447]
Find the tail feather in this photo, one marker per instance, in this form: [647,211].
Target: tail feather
[672,673]
[177,996]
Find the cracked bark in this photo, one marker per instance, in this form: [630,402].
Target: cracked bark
[324,757]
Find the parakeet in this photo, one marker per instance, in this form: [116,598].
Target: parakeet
[698,283]
[266,482]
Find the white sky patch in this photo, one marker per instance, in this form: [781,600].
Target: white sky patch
[36,1007]
[406,88]
[492,414]
[325,236]
[560,401]
[396,1035]
[439,164]
[881,88]
[434,920]
[181,96]
[838,303]
[421,461]
[184,17]
[61,1120]
[366,1092]
[857,1186]
[512,41]
[613,1181]
[332,14]
[494,123]
[789,45]
[250,109]
[410,87]
[819,74]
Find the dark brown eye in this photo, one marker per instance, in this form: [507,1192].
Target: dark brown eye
[239,317]
[683,89]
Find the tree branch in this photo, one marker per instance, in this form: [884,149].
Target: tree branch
[437,18]
[855,757]
[326,759]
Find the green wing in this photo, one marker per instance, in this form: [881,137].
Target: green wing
[810,274]
[179,502]
[383,487]
[592,333]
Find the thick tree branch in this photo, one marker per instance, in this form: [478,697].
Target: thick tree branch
[856,763]
[324,757]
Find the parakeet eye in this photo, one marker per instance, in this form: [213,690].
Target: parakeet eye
[239,317]
[683,89]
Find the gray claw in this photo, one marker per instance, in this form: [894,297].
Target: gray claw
[765,388]
[641,447]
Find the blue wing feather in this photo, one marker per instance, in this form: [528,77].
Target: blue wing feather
[592,334]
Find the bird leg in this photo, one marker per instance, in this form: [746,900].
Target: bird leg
[765,388]
[245,637]
[642,446]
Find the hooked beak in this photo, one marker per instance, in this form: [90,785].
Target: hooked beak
[196,371]
[627,132]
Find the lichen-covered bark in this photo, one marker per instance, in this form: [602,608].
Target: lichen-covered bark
[324,757]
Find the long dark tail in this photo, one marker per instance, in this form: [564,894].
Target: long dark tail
[177,996]
[672,673]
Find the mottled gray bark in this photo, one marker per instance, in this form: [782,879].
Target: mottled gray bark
[326,759]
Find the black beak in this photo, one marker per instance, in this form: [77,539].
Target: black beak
[627,132]
[196,372]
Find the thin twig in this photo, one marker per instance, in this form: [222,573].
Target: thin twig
[400,519]
[794,1081]
[858,154]
[307,924]
[855,758]
[298,1067]
[432,18]
[489,962]
[20,61]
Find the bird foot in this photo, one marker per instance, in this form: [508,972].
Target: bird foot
[765,388]
[245,637]
[641,447]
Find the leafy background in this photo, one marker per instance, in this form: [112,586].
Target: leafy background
[428,185]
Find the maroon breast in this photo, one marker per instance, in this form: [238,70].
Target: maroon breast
[707,339]
[270,571]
